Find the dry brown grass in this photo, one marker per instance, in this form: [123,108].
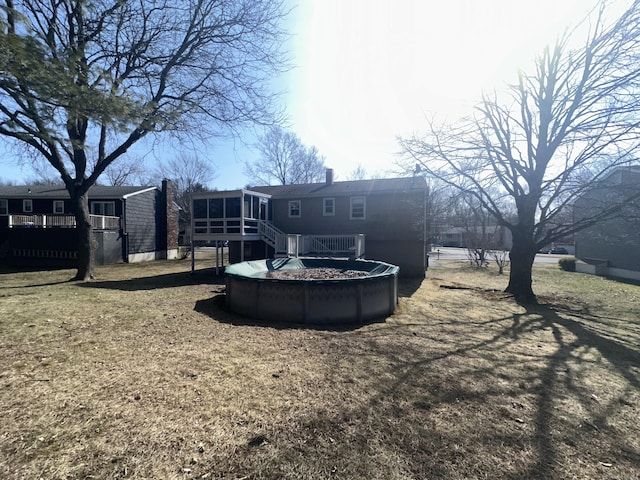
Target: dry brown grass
[143,374]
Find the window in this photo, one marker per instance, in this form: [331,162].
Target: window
[328,207]
[200,208]
[27,205]
[294,209]
[247,206]
[256,207]
[4,207]
[107,209]
[358,208]
[200,227]
[216,207]
[232,207]
[251,206]
[58,206]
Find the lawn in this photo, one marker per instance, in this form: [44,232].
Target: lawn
[144,374]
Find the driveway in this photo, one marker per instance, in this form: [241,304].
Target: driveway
[451,253]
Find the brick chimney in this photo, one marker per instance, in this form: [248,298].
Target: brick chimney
[170,223]
[329,176]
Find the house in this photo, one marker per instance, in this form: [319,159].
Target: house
[130,224]
[611,247]
[381,219]
[475,236]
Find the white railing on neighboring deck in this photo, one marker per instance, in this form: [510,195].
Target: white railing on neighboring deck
[98,222]
[103,222]
[42,221]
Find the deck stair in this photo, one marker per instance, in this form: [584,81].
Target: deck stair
[273,236]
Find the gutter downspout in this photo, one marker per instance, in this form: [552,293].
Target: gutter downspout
[191,242]
[125,235]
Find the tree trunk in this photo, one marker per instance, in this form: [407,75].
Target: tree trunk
[86,243]
[522,255]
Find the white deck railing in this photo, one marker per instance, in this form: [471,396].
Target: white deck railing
[98,222]
[335,244]
[325,245]
[291,245]
[332,244]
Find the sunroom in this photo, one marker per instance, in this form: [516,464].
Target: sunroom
[230,216]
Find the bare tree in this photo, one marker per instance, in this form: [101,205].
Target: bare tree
[283,159]
[440,206]
[129,170]
[310,168]
[556,132]
[361,173]
[189,174]
[479,231]
[81,82]
[501,258]
[358,173]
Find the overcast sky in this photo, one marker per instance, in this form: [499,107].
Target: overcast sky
[368,71]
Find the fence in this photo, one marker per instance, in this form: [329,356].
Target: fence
[98,222]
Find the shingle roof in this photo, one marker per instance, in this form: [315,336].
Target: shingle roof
[354,187]
[58,192]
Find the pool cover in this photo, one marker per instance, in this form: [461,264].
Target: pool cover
[260,268]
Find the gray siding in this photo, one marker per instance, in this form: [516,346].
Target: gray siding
[40,205]
[394,225]
[389,216]
[617,240]
[141,224]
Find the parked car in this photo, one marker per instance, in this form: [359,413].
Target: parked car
[559,251]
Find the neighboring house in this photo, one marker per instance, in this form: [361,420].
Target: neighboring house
[382,219]
[611,247]
[131,224]
[493,237]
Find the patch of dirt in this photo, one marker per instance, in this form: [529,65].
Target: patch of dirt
[489,293]
[556,302]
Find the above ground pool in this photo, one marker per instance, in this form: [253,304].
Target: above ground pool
[312,290]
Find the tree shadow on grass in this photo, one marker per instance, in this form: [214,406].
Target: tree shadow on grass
[11,270]
[628,281]
[560,371]
[44,284]
[421,398]
[169,280]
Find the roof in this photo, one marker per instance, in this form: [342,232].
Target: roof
[59,192]
[354,187]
